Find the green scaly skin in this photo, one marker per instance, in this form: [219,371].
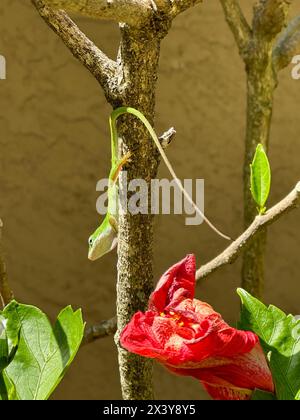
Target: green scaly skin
[105,237]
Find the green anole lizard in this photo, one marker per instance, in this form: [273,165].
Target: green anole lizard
[105,237]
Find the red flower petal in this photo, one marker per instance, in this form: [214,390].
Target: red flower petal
[176,284]
[182,341]
[147,335]
[225,378]
[222,390]
[190,338]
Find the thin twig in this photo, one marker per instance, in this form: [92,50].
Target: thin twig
[101,330]
[231,253]
[6,294]
[103,68]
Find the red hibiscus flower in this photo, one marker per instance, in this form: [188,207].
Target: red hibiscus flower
[189,338]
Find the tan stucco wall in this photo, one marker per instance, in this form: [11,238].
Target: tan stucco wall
[55,145]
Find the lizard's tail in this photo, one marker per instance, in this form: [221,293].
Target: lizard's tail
[124,110]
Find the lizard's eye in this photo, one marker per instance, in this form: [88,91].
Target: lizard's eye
[91,241]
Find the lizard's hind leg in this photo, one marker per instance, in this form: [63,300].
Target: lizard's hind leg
[125,159]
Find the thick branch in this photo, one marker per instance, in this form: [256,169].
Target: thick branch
[230,254]
[180,6]
[101,330]
[270,17]
[6,295]
[133,12]
[288,45]
[102,68]
[238,24]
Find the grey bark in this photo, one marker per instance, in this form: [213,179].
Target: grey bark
[101,330]
[133,12]
[138,58]
[261,83]
[268,21]
[102,68]
[256,47]
[287,44]
[131,81]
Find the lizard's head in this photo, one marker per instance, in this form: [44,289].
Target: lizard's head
[102,242]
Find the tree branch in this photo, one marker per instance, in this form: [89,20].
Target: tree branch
[6,295]
[230,254]
[238,24]
[287,45]
[101,67]
[133,12]
[103,329]
[256,48]
[270,17]
[180,6]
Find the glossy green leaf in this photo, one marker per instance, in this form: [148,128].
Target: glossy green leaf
[280,338]
[44,353]
[260,178]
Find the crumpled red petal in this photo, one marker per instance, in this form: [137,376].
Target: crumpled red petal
[176,284]
[189,338]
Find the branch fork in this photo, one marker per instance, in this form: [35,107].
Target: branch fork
[270,20]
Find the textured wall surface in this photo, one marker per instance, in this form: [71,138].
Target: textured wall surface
[54,146]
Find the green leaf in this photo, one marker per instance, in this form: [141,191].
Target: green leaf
[259,395]
[12,324]
[44,353]
[8,343]
[280,338]
[7,388]
[4,352]
[260,178]
[7,352]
